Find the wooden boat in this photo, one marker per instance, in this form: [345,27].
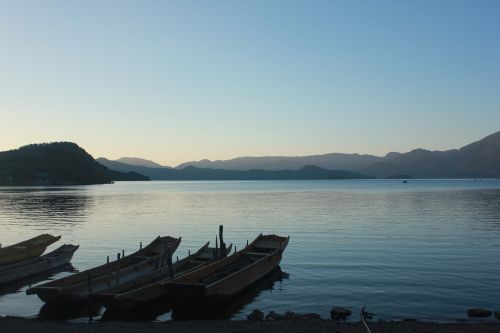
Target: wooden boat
[29,267]
[150,287]
[224,279]
[77,287]
[28,249]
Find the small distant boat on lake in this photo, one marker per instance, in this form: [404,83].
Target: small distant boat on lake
[30,248]
[224,279]
[78,287]
[149,287]
[37,265]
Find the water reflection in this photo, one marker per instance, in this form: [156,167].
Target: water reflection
[161,307]
[148,312]
[354,242]
[33,280]
[69,311]
[31,206]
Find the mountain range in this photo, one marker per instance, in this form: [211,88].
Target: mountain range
[194,173]
[480,159]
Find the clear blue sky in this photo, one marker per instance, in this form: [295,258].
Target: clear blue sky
[174,81]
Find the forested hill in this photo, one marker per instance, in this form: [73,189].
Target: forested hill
[58,163]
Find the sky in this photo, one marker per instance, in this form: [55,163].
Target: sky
[176,81]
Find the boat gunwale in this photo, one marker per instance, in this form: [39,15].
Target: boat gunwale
[115,295]
[60,290]
[160,283]
[235,256]
[258,261]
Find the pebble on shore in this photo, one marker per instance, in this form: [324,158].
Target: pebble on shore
[478,313]
[339,313]
[257,315]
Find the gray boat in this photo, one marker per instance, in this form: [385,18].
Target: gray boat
[37,265]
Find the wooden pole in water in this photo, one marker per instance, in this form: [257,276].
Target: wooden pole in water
[140,246]
[118,268]
[216,248]
[123,253]
[166,254]
[189,252]
[108,282]
[89,282]
[223,251]
[169,262]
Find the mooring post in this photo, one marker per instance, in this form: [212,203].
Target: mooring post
[216,248]
[223,250]
[169,262]
[118,268]
[189,252]
[123,253]
[247,242]
[108,268]
[89,300]
[166,252]
[140,246]
[235,249]
[89,282]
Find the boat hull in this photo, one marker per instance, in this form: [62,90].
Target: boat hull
[150,289]
[223,280]
[30,248]
[189,295]
[77,287]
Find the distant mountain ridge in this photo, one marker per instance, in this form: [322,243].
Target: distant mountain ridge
[328,161]
[139,162]
[195,173]
[478,159]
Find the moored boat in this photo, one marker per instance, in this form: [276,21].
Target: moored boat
[29,267]
[78,287]
[224,279]
[150,287]
[30,248]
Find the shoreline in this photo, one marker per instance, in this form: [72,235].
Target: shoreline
[24,325]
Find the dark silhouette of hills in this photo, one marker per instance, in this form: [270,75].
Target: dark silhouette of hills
[58,163]
[195,173]
[480,159]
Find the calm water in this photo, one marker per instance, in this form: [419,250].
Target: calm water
[427,249]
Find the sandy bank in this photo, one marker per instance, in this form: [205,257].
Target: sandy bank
[19,325]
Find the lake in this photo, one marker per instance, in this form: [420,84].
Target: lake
[426,249]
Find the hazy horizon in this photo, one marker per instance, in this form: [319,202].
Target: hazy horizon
[182,81]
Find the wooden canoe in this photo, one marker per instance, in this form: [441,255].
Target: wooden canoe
[29,267]
[77,287]
[150,287]
[28,249]
[224,279]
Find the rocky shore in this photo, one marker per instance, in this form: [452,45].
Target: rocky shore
[21,325]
